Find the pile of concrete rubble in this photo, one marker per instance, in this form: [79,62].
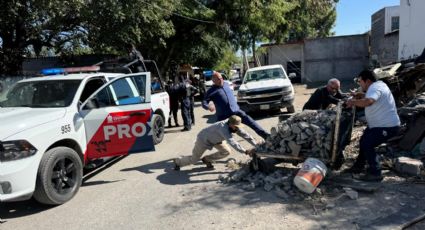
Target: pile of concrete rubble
[309,132]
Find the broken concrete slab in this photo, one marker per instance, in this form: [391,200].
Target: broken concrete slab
[409,166]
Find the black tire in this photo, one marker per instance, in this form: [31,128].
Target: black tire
[59,176]
[158,129]
[291,109]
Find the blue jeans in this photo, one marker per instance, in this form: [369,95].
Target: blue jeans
[371,138]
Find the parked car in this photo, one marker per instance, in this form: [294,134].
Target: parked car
[266,88]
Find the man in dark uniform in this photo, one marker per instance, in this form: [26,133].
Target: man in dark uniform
[193,91]
[225,104]
[174,102]
[324,96]
[184,92]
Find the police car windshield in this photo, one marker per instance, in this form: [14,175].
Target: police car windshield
[42,94]
[265,74]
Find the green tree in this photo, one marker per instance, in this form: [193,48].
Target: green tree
[36,24]
[228,59]
[307,19]
[251,21]
[112,24]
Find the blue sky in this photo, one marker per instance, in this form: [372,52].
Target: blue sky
[354,16]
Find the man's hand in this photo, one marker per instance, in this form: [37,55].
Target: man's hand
[211,107]
[349,103]
[358,95]
[250,152]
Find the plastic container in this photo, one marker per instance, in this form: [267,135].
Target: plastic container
[310,175]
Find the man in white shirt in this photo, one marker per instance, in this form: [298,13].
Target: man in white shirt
[215,136]
[382,123]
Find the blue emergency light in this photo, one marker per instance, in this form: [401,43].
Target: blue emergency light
[52,71]
[208,73]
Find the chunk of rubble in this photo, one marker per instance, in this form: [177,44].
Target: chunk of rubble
[409,166]
[352,194]
[308,133]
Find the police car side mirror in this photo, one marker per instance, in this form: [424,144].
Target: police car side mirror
[292,75]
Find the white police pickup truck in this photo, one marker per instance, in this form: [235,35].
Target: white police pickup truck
[266,88]
[52,126]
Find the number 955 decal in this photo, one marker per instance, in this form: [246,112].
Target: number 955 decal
[65,128]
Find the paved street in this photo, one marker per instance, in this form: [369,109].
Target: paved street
[141,191]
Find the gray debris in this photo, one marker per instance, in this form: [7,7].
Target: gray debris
[308,133]
[408,166]
[354,195]
[268,187]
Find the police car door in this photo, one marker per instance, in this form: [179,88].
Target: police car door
[117,117]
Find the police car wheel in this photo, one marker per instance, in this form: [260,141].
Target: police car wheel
[59,176]
[291,109]
[158,128]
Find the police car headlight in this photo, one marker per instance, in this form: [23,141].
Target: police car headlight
[15,150]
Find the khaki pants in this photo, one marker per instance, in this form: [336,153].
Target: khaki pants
[199,149]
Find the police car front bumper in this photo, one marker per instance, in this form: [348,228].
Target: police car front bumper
[17,179]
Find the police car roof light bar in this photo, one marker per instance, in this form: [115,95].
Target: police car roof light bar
[55,71]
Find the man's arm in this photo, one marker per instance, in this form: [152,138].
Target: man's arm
[206,100]
[245,135]
[232,142]
[364,102]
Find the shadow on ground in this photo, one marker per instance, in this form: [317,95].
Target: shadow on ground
[187,175]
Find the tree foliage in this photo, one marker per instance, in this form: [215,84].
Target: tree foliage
[36,24]
[198,32]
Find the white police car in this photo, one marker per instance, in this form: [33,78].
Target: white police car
[50,127]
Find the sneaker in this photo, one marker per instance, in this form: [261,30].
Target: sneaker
[185,129]
[207,163]
[369,177]
[176,166]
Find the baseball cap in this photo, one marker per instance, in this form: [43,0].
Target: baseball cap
[236,121]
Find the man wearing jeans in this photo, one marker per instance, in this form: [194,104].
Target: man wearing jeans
[225,104]
[215,136]
[382,124]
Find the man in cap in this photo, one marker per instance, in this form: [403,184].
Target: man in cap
[215,136]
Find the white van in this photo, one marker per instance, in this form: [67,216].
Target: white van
[266,88]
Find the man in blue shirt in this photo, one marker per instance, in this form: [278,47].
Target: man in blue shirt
[225,104]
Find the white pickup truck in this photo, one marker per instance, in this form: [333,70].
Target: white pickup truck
[52,126]
[266,88]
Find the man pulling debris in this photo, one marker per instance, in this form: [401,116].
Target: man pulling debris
[225,104]
[324,96]
[382,123]
[215,136]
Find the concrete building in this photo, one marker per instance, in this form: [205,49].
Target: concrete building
[384,35]
[318,60]
[289,55]
[412,29]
